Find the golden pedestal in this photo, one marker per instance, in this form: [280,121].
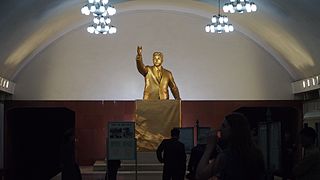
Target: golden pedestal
[154,121]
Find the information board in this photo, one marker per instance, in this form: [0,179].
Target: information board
[186,137]
[203,133]
[121,143]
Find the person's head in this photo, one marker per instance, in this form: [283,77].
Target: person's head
[157,59]
[235,130]
[175,132]
[308,136]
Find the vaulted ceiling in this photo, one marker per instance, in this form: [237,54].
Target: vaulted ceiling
[287,29]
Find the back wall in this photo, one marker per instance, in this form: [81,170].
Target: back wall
[83,66]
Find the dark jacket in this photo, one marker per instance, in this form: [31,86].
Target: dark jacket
[171,152]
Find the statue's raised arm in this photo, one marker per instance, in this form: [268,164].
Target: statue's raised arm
[140,66]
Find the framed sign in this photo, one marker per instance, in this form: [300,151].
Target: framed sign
[186,137]
[121,143]
[203,133]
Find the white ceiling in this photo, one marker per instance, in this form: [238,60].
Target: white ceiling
[287,29]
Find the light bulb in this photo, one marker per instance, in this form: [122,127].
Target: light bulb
[239,7]
[219,27]
[111,10]
[225,19]
[248,7]
[104,2]
[225,8]
[102,9]
[93,8]
[84,10]
[108,20]
[212,28]
[104,13]
[207,28]
[90,29]
[96,20]
[112,30]
[253,7]
[226,28]
[102,20]
[214,19]
[231,29]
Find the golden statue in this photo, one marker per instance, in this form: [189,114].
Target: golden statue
[157,78]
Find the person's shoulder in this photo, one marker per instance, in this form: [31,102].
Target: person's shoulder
[180,143]
[166,71]
[166,140]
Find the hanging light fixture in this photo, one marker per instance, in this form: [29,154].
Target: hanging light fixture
[219,24]
[239,6]
[101,12]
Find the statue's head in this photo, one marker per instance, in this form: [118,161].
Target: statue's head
[157,59]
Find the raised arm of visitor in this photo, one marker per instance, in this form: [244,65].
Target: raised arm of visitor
[207,167]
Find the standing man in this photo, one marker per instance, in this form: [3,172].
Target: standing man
[157,78]
[113,166]
[171,152]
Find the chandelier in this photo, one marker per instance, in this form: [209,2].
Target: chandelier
[101,12]
[219,24]
[239,6]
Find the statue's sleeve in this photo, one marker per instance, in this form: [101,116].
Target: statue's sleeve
[174,88]
[140,66]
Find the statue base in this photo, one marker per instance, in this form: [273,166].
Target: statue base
[154,121]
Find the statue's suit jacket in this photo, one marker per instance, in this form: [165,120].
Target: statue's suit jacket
[156,86]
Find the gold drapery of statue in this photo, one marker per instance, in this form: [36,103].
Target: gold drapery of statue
[154,120]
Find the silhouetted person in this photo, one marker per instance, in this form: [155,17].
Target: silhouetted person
[70,169]
[171,152]
[112,166]
[289,156]
[240,159]
[309,167]
[195,156]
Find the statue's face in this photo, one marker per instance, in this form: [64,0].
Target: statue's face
[157,60]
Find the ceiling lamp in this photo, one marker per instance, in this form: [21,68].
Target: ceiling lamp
[239,6]
[219,24]
[101,26]
[101,16]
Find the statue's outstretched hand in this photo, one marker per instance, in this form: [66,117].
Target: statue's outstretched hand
[139,50]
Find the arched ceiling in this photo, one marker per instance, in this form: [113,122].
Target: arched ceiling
[287,29]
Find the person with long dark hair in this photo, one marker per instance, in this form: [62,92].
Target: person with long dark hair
[239,160]
[308,168]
